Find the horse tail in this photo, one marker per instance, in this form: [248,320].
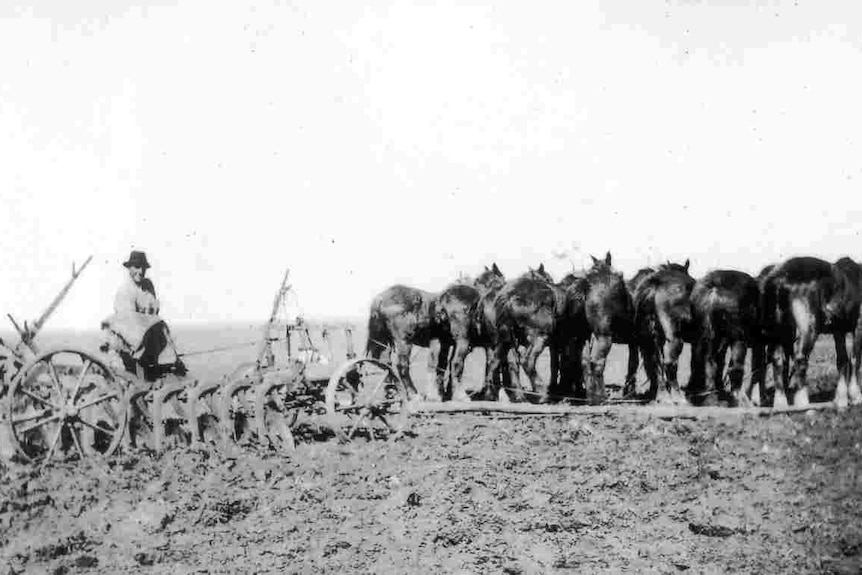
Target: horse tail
[378,338]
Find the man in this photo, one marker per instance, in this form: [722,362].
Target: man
[137,294]
[135,333]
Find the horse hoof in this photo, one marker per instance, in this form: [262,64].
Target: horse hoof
[780,400]
[709,400]
[800,398]
[461,396]
[663,399]
[741,400]
[855,393]
[679,401]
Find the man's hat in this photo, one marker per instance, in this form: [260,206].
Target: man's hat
[138,260]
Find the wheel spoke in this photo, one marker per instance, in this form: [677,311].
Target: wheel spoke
[370,398]
[36,425]
[96,427]
[52,371]
[23,418]
[99,399]
[356,424]
[35,397]
[83,374]
[77,443]
[54,443]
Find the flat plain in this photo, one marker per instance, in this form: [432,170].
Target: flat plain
[458,493]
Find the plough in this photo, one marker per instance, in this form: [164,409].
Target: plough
[74,403]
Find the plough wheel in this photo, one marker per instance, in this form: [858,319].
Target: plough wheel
[66,403]
[366,397]
[275,415]
[170,414]
[236,413]
[203,413]
[255,408]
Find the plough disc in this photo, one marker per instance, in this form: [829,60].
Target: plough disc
[365,397]
[66,403]
[256,408]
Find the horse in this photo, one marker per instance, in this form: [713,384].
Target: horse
[534,312]
[726,307]
[609,316]
[663,321]
[489,283]
[758,350]
[802,298]
[402,316]
[447,323]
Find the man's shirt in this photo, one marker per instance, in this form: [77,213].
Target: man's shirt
[135,298]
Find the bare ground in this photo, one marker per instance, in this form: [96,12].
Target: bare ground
[468,493]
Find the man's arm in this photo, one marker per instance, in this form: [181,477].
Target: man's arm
[124,301]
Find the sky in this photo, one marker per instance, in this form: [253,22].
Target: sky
[365,144]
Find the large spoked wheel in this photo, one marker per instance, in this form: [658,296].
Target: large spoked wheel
[66,403]
[365,397]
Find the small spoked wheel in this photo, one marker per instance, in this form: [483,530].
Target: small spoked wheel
[66,403]
[366,398]
[275,416]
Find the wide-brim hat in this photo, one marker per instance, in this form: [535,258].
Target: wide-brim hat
[137,259]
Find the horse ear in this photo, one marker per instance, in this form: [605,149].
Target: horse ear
[595,259]
[686,265]
[608,258]
[486,269]
[495,269]
[542,268]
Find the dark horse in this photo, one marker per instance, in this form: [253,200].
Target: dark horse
[663,320]
[758,351]
[609,317]
[726,306]
[402,316]
[533,312]
[447,323]
[802,298]
[489,283]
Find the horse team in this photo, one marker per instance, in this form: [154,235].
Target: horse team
[778,315]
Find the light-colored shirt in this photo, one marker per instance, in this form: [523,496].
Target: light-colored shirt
[136,298]
[136,313]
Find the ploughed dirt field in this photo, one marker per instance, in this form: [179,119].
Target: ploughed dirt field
[466,493]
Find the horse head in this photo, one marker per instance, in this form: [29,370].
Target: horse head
[490,279]
[683,268]
[539,274]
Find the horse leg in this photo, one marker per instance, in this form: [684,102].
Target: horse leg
[437,370]
[554,385]
[537,345]
[491,387]
[403,351]
[806,335]
[512,360]
[456,370]
[672,349]
[444,370]
[575,368]
[650,357]
[780,353]
[756,387]
[736,373]
[853,392]
[842,362]
[697,384]
[598,359]
[630,387]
